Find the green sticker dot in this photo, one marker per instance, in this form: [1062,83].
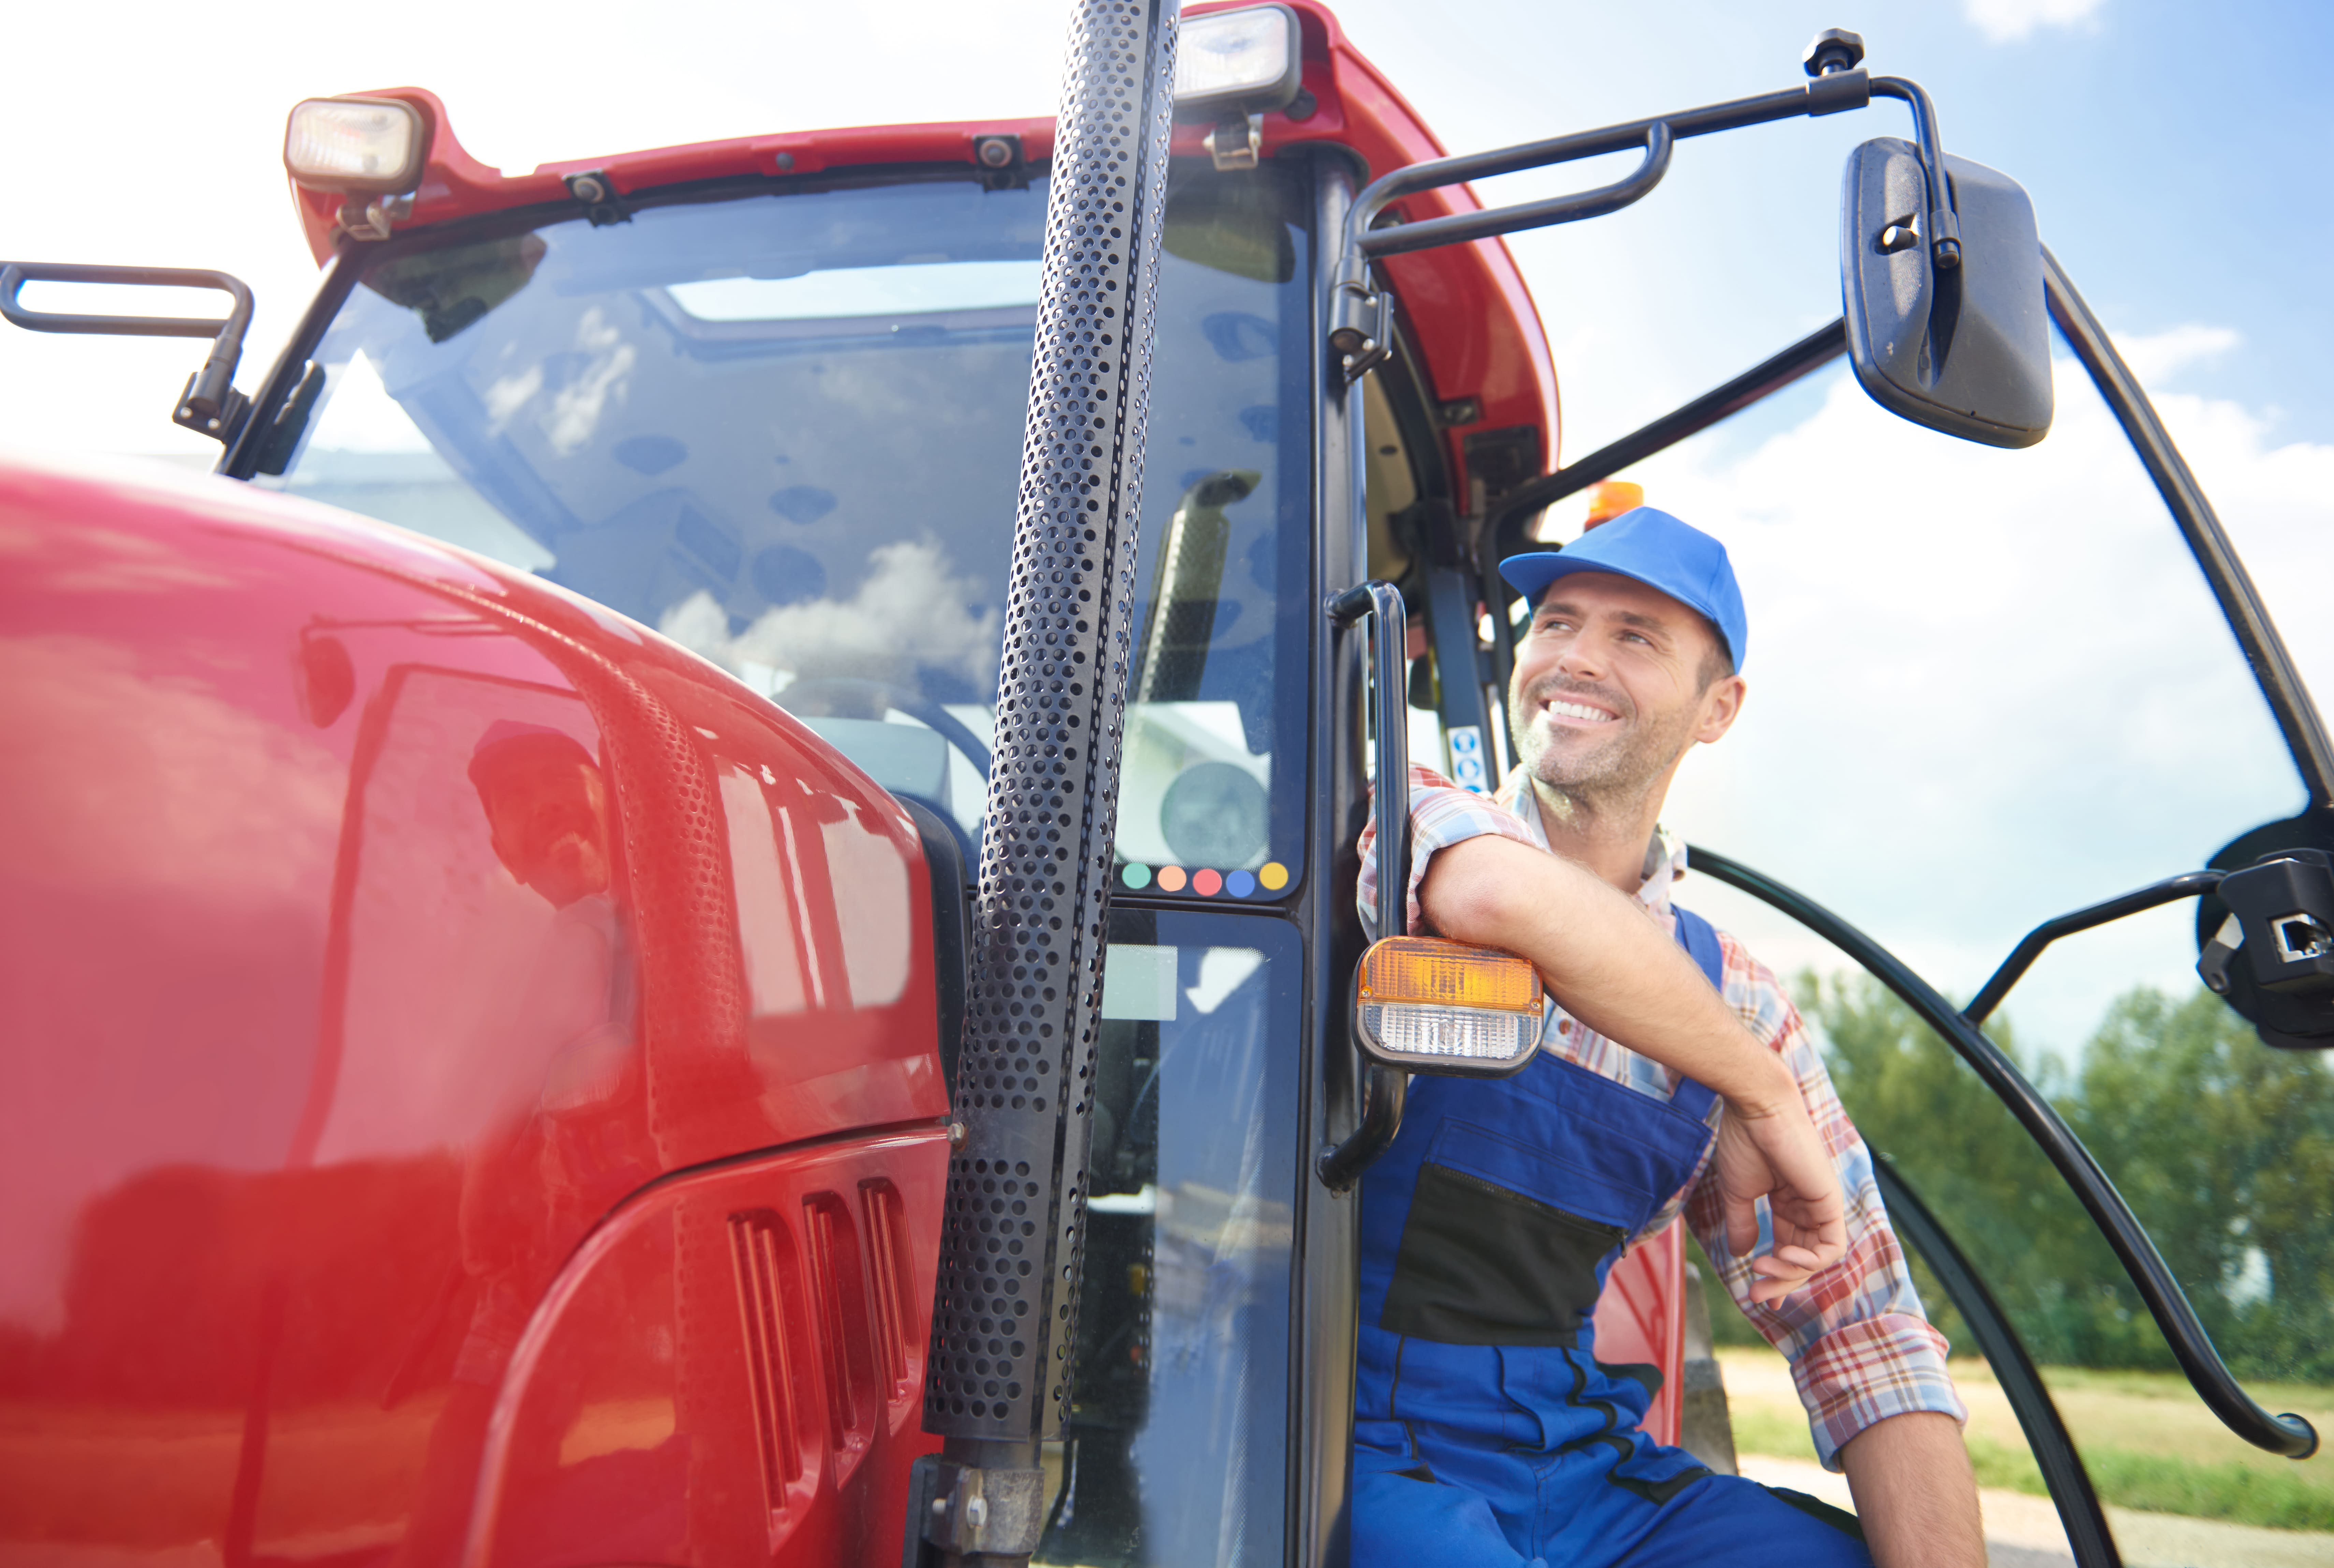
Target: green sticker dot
[1136,875]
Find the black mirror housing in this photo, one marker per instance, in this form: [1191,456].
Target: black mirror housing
[1964,350]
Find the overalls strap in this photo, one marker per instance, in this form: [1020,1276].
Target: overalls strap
[1699,938]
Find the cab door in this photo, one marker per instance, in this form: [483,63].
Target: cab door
[2010,687]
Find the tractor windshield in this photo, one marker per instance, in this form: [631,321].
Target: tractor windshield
[786,431]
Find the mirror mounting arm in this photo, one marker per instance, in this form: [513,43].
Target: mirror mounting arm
[1360,314]
[1945,245]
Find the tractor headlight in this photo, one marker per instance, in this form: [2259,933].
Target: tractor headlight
[1434,1006]
[1246,60]
[362,146]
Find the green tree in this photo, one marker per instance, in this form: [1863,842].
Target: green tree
[2224,1147]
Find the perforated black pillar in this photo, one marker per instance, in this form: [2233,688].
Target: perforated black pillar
[998,1381]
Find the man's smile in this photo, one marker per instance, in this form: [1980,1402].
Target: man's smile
[1575,712]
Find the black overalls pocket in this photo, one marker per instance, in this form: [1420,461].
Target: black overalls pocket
[1505,1244]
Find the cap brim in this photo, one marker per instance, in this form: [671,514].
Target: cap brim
[1530,575]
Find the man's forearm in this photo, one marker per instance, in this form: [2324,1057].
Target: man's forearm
[1915,1495]
[1608,966]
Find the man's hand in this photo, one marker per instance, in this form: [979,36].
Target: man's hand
[1618,973]
[1772,1150]
[1915,1495]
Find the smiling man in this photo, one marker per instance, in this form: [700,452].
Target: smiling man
[1673,1077]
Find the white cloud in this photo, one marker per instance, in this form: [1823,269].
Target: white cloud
[2158,357]
[517,93]
[2013,21]
[910,612]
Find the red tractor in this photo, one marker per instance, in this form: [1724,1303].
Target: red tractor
[501,962]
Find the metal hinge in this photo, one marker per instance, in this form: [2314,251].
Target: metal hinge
[1236,142]
[965,1511]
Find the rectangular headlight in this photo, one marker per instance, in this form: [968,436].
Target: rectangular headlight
[1246,60]
[1429,1005]
[364,146]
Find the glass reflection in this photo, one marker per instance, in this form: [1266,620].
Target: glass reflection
[786,431]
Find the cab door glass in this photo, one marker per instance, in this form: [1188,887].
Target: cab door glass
[1987,689]
[1176,1447]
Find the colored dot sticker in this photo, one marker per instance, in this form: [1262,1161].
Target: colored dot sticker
[1135,875]
[1207,884]
[1170,879]
[1240,884]
[1272,876]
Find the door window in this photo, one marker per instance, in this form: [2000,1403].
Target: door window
[1987,689]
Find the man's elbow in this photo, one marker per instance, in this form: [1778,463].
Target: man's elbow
[1470,895]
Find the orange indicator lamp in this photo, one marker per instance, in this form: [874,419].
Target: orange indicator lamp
[1610,499]
[1429,1005]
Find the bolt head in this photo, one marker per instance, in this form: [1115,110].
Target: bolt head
[993,152]
[586,187]
[1833,48]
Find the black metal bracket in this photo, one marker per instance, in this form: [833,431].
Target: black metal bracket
[209,405]
[2171,890]
[2281,919]
[2290,1434]
[1383,1088]
[595,193]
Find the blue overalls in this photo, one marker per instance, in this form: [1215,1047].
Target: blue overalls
[1485,1431]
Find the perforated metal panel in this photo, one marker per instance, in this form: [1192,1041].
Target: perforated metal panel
[1013,1230]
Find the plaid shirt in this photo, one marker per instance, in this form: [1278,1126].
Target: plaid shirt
[1860,1347]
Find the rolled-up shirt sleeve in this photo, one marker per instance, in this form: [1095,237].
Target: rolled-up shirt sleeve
[1440,815]
[1860,1345]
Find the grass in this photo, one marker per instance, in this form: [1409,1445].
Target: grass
[2144,1438]
[2239,1494]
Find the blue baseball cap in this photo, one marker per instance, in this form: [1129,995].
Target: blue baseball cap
[1658,551]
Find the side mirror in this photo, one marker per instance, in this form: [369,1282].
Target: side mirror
[1966,349]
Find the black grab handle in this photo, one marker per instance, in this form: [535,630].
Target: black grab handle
[210,402]
[1383,1088]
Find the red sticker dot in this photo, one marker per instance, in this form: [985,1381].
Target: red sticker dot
[1207,884]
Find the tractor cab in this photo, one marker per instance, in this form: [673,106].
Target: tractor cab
[765,400]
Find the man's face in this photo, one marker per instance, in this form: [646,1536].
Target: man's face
[1608,688]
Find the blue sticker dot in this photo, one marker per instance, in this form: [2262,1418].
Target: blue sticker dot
[1240,884]
[1136,875]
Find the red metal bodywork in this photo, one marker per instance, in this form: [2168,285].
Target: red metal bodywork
[440,1063]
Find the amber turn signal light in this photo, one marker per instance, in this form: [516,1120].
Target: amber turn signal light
[1428,1006]
[1610,499]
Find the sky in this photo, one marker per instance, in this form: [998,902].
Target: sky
[1988,688]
